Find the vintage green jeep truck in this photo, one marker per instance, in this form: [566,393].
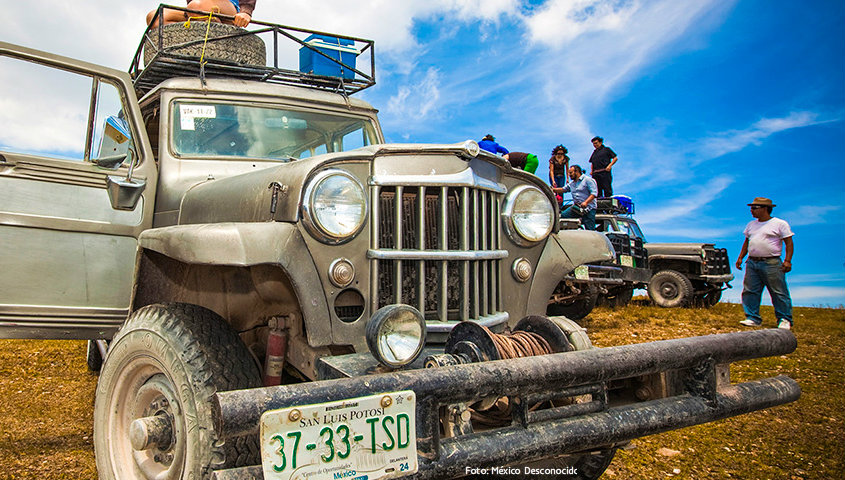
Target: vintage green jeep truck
[287,296]
[682,274]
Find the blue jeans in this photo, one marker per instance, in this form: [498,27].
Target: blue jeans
[765,273]
[588,219]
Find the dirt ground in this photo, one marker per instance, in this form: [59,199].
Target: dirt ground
[47,395]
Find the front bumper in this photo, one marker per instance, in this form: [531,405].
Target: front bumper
[705,395]
[717,278]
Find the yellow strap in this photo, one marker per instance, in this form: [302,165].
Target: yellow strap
[207,30]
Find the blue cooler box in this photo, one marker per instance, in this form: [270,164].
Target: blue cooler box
[337,48]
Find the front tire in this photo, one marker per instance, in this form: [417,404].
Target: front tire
[670,289]
[160,373]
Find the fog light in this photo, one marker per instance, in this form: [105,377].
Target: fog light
[341,272]
[521,270]
[396,335]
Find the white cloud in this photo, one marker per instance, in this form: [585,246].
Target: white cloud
[558,22]
[736,140]
[417,100]
[834,295]
[810,214]
[684,206]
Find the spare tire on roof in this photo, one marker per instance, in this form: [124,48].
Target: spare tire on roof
[247,49]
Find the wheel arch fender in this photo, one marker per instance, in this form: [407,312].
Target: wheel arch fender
[564,251]
[246,245]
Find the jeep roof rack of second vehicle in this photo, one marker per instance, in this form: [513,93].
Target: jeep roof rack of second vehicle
[617,204]
[168,62]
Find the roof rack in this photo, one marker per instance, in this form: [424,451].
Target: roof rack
[168,61]
[617,204]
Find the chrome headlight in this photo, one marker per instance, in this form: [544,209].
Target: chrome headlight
[334,206]
[396,335]
[529,215]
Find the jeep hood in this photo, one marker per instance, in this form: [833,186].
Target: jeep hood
[677,248]
[249,197]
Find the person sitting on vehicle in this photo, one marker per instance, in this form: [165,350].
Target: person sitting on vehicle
[489,143]
[240,9]
[523,161]
[583,189]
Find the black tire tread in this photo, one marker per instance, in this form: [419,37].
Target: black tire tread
[684,287]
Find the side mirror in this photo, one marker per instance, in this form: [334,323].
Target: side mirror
[124,192]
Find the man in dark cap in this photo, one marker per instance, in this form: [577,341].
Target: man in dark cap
[601,161]
[764,268]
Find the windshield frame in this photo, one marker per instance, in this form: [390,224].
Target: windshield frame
[631,225]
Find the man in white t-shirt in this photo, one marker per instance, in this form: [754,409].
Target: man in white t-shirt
[763,238]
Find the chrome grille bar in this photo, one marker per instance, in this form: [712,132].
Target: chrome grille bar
[443,311]
[375,192]
[397,266]
[421,246]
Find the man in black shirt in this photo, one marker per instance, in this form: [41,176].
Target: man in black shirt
[602,161]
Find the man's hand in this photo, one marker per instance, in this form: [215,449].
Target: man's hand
[607,168]
[739,264]
[786,266]
[583,204]
[242,19]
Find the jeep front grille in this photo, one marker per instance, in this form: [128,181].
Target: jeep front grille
[626,245]
[437,248]
[716,261]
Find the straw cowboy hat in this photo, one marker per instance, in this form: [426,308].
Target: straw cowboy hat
[762,201]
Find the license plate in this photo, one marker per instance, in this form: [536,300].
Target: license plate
[582,272]
[626,260]
[364,438]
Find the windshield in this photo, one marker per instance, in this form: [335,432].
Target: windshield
[231,130]
[631,228]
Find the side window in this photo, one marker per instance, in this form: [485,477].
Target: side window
[310,152]
[56,113]
[355,139]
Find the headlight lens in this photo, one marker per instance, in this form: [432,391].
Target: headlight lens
[396,335]
[335,206]
[529,214]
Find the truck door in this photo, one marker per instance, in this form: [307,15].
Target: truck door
[70,213]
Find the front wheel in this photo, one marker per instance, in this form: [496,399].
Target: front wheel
[152,411]
[670,289]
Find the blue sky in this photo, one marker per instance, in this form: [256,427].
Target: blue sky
[708,103]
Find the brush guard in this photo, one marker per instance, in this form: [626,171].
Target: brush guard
[701,392]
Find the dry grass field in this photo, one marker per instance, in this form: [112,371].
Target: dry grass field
[47,394]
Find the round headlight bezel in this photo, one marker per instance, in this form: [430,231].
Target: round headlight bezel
[311,217]
[520,235]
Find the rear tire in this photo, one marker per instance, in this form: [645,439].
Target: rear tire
[93,357]
[712,296]
[670,289]
[166,363]
[578,308]
[621,297]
